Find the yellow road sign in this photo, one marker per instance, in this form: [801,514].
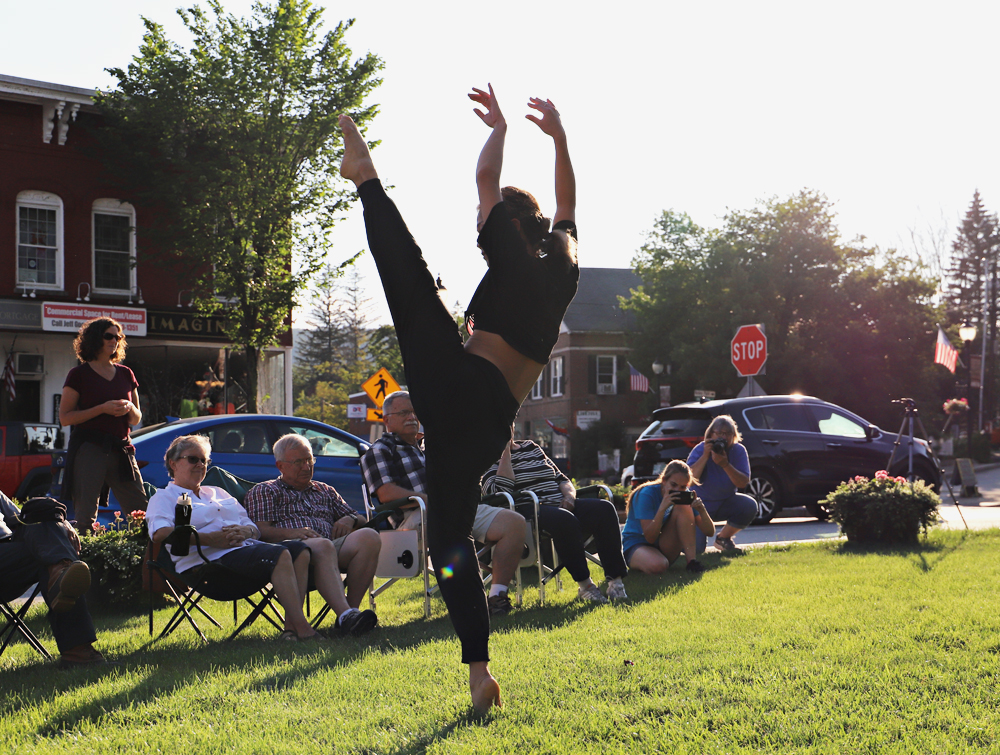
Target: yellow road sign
[378,386]
[375,415]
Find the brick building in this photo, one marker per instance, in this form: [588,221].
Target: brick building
[70,251]
[587,378]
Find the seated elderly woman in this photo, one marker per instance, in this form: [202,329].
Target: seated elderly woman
[524,466]
[227,535]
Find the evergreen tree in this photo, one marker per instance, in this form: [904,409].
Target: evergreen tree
[974,259]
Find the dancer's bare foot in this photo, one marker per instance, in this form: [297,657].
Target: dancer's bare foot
[357,164]
[485,690]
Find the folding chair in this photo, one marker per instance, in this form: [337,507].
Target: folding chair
[547,574]
[403,552]
[528,553]
[237,487]
[14,619]
[217,582]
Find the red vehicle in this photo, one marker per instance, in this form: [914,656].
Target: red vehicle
[26,457]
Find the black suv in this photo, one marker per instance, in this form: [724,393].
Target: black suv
[800,447]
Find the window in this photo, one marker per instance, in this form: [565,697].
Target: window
[239,438]
[835,423]
[556,376]
[39,240]
[538,389]
[606,378]
[322,444]
[114,246]
[786,417]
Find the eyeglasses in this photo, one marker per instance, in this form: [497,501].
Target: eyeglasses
[299,463]
[112,337]
[403,413]
[192,460]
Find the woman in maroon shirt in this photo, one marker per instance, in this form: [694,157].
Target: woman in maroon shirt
[99,399]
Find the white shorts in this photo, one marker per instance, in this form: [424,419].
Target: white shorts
[484,518]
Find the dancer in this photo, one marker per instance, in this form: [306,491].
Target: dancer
[514,317]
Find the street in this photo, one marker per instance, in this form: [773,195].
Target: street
[795,525]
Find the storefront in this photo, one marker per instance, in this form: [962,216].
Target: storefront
[183,362]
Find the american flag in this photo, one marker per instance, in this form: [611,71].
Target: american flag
[944,352]
[639,381]
[8,375]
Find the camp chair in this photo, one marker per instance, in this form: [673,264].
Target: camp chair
[403,552]
[545,573]
[14,618]
[237,487]
[217,582]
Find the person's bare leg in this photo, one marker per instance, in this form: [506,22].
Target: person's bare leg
[685,531]
[287,589]
[359,559]
[357,165]
[301,568]
[728,531]
[326,573]
[507,531]
[485,690]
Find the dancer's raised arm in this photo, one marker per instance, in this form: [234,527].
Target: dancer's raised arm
[550,123]
[491,158]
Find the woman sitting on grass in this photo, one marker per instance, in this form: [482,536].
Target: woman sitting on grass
[226,534]
[662,519]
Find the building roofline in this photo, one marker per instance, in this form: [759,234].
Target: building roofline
[29,90]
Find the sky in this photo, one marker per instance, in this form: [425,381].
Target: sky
[889,109]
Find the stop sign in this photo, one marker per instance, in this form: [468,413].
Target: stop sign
[749,350]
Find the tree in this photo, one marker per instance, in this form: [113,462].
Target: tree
[849,324]
[234,144]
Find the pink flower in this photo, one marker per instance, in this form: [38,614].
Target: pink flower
[881,475]
[901,479]
[859,478]
[138,515]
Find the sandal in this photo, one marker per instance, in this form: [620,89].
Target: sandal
[288,636]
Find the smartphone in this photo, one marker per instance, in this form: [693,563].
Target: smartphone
[684,498]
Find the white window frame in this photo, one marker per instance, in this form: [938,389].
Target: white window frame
[538,389]
[41,200]
[113,207]
[556,383]
[614,375]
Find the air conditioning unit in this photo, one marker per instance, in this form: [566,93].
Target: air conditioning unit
[605,389]
[29,364]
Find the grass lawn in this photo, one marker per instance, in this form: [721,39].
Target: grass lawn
[809,648]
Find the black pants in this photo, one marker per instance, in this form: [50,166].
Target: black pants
[24,560]
[569,529]
[464,404]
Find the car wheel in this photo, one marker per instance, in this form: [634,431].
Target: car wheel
[764,489]
[818,510]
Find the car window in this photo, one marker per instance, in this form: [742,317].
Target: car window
[322,443]
[239,438]
[832,422]
[678,426]
[787,417]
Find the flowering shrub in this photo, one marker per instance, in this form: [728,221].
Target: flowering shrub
[114,555]
[955,406]
[883,510]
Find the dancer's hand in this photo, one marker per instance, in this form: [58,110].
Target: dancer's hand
[492,117]
[549,123]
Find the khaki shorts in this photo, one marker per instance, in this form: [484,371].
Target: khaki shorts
[484,518]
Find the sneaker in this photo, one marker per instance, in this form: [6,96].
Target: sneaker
[616,590]
[726,545]
[591,593]
[499,604]
[69,580]
[355,622]
[695,566]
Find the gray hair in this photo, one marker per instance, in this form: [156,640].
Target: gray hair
[181,445]
[391,399]
[281,445]
[724,419]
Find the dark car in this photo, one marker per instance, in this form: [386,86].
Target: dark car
[241,444]
[800,447]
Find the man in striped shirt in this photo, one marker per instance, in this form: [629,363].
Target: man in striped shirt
[394,468]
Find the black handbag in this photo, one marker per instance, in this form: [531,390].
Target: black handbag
[42,510]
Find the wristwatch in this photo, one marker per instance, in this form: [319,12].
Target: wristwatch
[355,518]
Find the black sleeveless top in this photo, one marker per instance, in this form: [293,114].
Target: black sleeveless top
[522,298]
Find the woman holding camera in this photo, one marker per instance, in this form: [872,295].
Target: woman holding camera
[227,535]
[663,518]
[721,467]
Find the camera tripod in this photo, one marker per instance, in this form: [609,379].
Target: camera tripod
[910,415]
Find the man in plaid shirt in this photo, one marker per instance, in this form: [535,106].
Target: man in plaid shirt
[394,468]
[297,507]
